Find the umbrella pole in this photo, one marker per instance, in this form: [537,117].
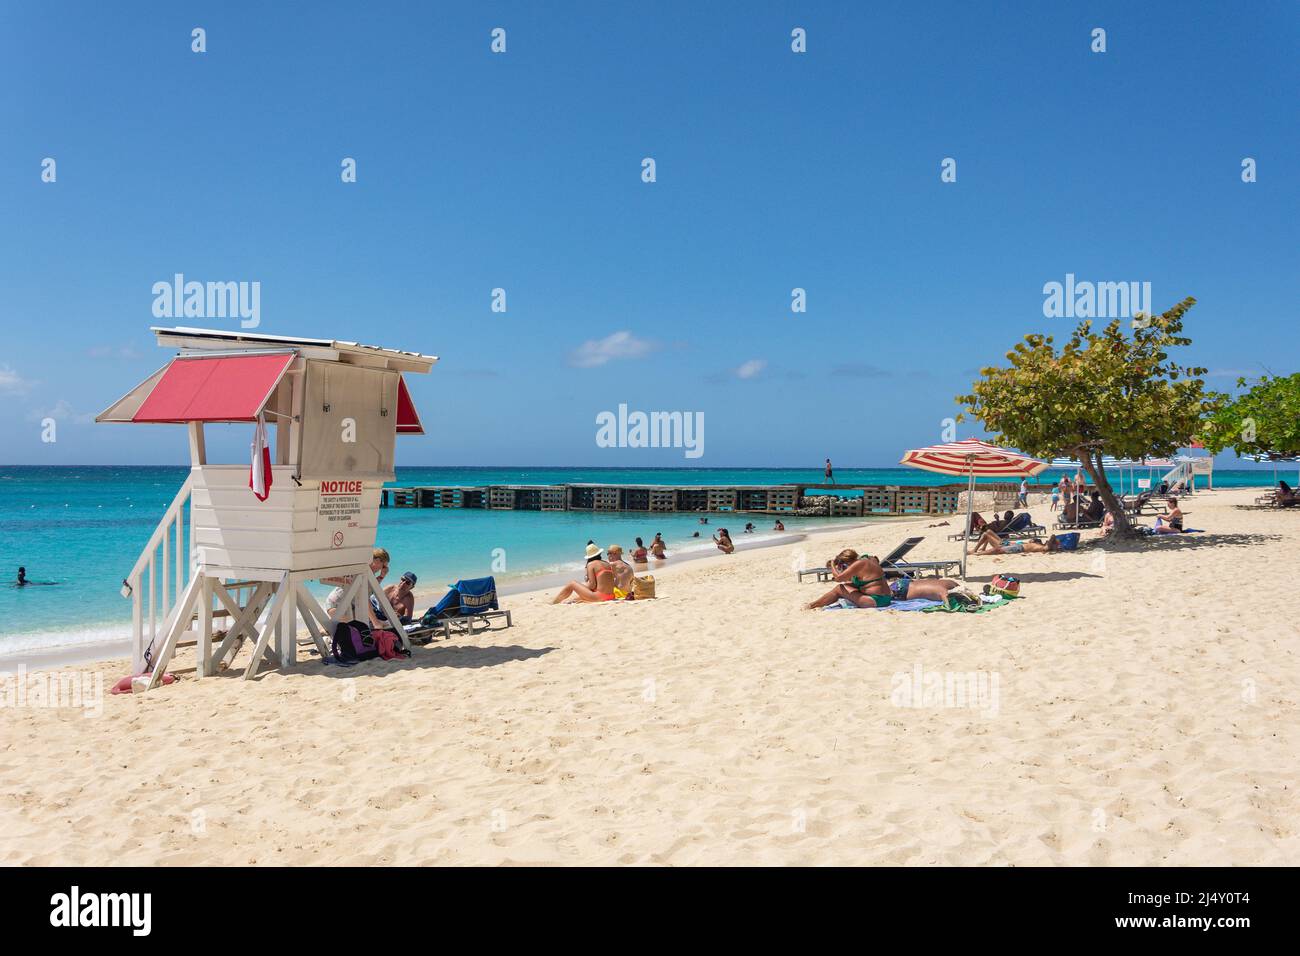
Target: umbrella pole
[970,506]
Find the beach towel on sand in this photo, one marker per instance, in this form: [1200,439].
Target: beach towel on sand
[914,604]
[985,605]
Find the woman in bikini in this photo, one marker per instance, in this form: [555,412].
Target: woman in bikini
[723,540]
[1171,523]
[599,585]
[990,543]
[865,585]
[658,548]
[639,554]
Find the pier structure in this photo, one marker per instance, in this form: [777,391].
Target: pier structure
[848,501]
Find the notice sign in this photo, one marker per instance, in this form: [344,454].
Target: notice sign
[339,507]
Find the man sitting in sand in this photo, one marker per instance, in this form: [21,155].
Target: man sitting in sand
[990,543]
[723,540]
[402,596]
[864,584]
[622,571]
[599,585]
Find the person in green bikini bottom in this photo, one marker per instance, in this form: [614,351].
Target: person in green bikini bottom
[862,582]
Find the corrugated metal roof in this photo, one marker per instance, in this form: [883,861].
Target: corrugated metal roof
[234,337]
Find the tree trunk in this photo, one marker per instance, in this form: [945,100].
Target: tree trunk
[1123,527]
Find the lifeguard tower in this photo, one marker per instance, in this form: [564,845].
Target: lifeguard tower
[334,410]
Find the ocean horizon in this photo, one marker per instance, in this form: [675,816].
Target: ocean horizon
[79,529]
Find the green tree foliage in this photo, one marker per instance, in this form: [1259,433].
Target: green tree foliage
[1264,422]
[1104,393]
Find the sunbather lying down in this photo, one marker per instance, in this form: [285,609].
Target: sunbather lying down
[863,583]
[990,543]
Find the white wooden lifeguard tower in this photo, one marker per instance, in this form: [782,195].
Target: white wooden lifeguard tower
[337,408]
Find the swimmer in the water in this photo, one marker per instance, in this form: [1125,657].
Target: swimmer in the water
[25,582]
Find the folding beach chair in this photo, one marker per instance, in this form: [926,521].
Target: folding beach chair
[1145,503]
[1064,525]
[1021,527]
[470,607]
[893,564]
[917,569]
[825,574]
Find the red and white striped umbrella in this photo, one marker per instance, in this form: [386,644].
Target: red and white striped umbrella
[973,457]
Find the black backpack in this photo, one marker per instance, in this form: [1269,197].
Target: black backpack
[353,642]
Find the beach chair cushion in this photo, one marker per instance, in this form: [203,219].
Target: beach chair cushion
[1020,522]
[472,596]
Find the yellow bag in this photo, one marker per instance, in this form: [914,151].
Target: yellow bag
[643,587]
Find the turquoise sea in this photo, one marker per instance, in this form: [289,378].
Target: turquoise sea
[83,527]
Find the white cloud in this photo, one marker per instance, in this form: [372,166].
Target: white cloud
[620,345]
[11,382]
[751,368]
[61,412]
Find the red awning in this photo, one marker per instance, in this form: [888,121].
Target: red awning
[408,419]
[230,388]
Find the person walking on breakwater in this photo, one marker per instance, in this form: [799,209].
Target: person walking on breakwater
[830,473]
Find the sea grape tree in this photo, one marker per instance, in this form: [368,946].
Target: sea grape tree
[1102,393]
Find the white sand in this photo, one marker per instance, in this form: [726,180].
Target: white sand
[1146,713]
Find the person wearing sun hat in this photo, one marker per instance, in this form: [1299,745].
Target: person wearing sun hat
[599,585]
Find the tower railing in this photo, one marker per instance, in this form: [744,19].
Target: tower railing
[159,578]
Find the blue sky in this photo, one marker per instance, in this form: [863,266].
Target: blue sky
[522,171]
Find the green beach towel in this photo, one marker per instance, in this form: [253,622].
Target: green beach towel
[968,608]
